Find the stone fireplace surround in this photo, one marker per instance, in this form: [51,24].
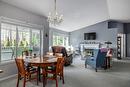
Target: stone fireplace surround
[86,48]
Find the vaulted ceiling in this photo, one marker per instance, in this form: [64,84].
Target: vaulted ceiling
[78,13]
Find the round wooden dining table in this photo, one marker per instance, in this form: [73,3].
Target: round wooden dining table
[41,63]
[44,61]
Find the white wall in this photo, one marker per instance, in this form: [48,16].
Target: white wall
[20,14]
[13,12]
[102,34]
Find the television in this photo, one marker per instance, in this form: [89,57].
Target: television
[90,36]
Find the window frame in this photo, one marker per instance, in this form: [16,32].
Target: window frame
[57,35]
[18,23]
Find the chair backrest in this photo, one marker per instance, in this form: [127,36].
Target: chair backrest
[110,52]
[27,53]
[20,66]
[58,54]
[101,56]
[59,49]
[60,65]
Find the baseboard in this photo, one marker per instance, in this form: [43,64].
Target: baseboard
[4,78]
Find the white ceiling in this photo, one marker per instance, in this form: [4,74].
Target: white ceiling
[119,10]
[78,13]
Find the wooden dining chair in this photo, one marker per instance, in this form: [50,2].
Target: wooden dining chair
[28,66]
[53,67]
[24,73]
[59,71]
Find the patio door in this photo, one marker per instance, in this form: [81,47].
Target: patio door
[35,41]
[23,40]
[15,39]
[8,41]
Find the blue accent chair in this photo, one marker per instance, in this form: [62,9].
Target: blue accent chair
[97,60]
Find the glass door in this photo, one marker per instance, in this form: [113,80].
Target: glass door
[8,41]
[23,40]
[35,41]
[16,39]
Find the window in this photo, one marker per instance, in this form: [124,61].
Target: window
[60,40]
[35,41]
[8,38]
[23,39]
[15,39]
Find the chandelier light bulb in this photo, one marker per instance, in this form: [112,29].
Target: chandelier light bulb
[54,18]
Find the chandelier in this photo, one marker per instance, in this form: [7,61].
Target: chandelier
[54,18]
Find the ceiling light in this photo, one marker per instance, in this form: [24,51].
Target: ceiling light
[54,18]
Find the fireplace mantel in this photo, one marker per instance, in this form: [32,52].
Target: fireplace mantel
[86,48]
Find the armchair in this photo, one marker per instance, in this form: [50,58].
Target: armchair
[60,49]
[97,60]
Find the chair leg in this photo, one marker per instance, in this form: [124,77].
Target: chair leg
[96,69]
[60,74]
[109,64]
[85,65]
[24,82]
[18,80]
[37,78]
[63,78]
[56,82]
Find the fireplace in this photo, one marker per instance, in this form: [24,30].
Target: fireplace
[86,49]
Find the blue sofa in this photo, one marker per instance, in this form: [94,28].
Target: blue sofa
[97,60]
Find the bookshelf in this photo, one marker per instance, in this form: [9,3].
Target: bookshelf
[118,47]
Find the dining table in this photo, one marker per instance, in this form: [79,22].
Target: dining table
[42,62]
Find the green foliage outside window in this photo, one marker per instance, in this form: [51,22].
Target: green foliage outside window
[59,40]
[14,42]
[7,42]
[54,40]
[35,40]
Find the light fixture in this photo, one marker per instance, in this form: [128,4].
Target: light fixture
[54,18]
[108,43]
